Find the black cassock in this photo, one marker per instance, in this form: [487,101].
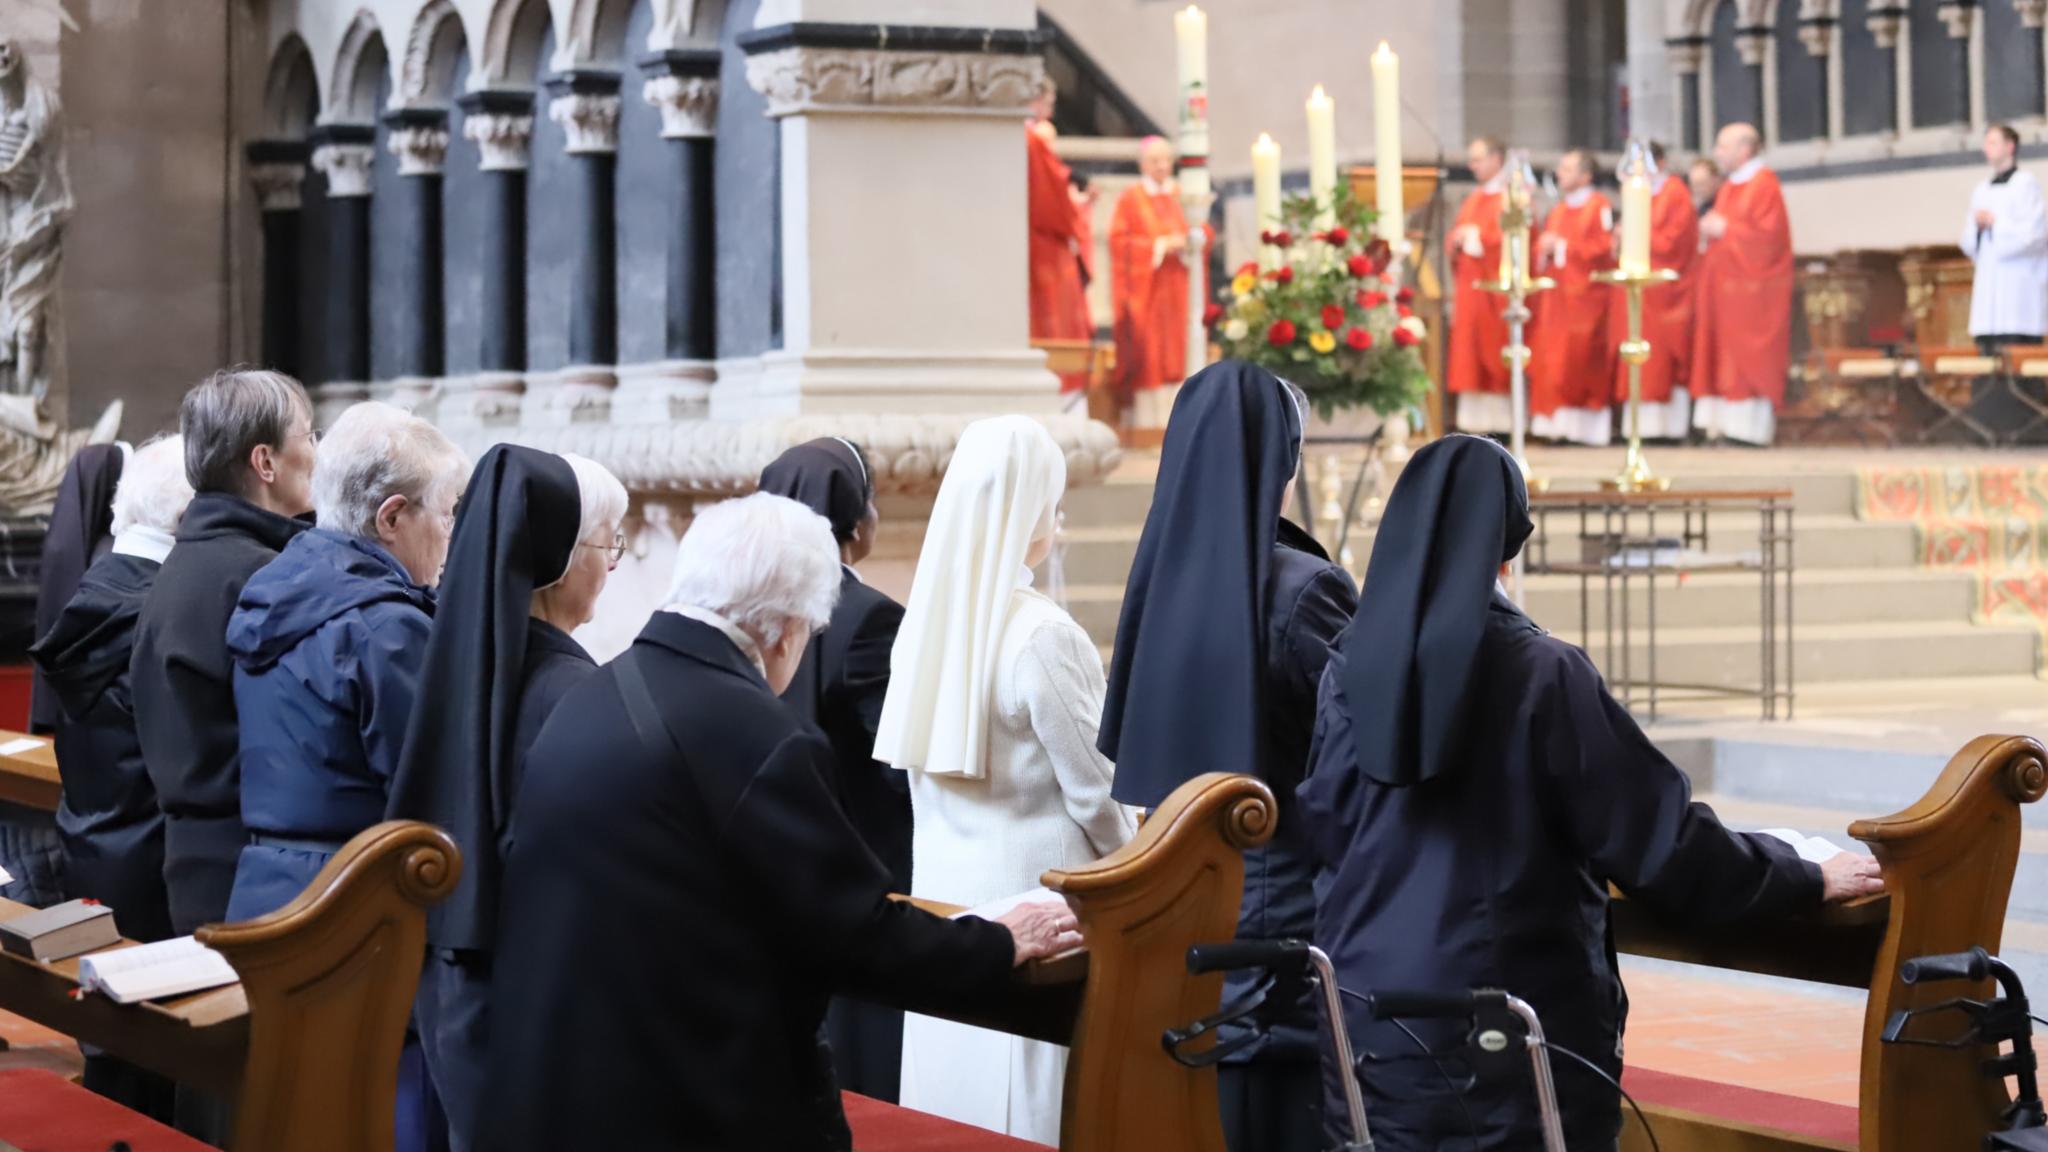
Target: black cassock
[1496,876]
[673,925]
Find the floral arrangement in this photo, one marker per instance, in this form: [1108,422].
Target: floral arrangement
[1326,317]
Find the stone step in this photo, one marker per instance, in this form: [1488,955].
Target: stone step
[1839,652]
[1122,502]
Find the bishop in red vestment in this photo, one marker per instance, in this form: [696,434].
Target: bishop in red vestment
[1059,239]
[1148,283]
[1478,375]
[1742,332]
[1667,313]
[1572,351]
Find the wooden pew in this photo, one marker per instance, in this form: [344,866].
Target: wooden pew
[29,777]
[1176,884]
[308,1041]
[1948,865]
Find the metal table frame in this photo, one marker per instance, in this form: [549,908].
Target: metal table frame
[1616,516]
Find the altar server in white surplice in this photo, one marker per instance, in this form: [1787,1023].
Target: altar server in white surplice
[994,699]
[2006,233]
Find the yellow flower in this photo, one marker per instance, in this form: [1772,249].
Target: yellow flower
[1253,310]
[1322,342]
[1244,284]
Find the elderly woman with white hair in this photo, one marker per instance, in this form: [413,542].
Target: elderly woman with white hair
[685,891]
[535,539]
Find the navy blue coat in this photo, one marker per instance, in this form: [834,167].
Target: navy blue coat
[327,642]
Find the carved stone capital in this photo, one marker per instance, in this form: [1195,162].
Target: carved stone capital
[1885,25]
[421,149]
[688,104]
[347,168]
[2033,13]
[1958,18]
[503,139]
[590,118]
[1753,44]
[277,186]
[1686,53]
[799,80]
[1818,36]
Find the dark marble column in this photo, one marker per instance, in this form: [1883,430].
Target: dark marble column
[1886,24]
[419,138]
[684,86]
[2032,14]
[586,105]
[501,124]
[1685,53]
[343,153]
[1959,17]
[1819,37]
[277,169]
[1755,44]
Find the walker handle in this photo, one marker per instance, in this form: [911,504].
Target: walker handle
[1237,955]
[1417,1005]
[1972,965]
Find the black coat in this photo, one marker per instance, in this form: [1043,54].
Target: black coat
[839,688]
[1309,600]
[672,927]
[185,700]
[81,530]
[554,664]
[113,834]
[1495,875]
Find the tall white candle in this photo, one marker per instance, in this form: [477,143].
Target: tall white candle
[1322,150]
[1635,224]
[1386,140]
[1191,41]
[1191,37]
[1266,194]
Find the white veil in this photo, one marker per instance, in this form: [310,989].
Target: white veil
[1001,492]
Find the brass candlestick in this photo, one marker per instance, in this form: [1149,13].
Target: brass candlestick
[1635,351]
[1517,285]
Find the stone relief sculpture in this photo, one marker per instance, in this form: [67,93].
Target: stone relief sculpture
[35,204]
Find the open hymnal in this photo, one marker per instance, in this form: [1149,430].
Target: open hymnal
[153,971]
[1810,848]
[60,930]
[995,908]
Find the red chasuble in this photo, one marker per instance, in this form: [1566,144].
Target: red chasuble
[1151,298]
[1742,330]
[1667,308]
[1571,351]
[1059,310]
[1478,333]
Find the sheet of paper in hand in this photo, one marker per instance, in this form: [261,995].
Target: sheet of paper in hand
[1812,849]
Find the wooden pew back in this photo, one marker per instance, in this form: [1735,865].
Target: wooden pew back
[1948,863]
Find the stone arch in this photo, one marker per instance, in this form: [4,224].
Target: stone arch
[359,65]
[434,50]
[595,36]
[679,23]
[1699,14]
[291,93]
[513,35]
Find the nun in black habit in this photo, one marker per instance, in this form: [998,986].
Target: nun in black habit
[1226,626]
[1474,789]
[839,688]
[534,537]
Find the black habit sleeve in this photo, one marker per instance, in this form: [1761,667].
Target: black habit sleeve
[867,678]
[826,896]
[1630,811]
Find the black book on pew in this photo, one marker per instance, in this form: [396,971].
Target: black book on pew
[60,930]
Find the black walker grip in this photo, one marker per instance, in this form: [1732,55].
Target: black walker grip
[1421,1005]
[1237,955]
[1972,965]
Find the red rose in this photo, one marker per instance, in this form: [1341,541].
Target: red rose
[1369,299]
[1281,275]
[1333,316]
[1281,334]
[1405,338]
[1380,252]
[1337,236]
[1211,314]
[1278,239]
[1358,338]
[1362,266]
[1405,296]
[1403,311]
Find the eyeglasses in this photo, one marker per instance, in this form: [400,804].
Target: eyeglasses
[614,551]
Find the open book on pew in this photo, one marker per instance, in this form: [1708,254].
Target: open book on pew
[1812,849]
[154,971]
[996,908]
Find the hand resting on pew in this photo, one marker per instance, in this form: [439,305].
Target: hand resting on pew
[1041,929]
[1849,876]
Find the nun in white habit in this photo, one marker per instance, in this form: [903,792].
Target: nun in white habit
[994,698]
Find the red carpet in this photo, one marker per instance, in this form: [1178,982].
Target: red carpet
[43,1112]
[1796,1114]
[879,1127]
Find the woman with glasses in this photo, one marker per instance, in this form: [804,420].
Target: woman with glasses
[535,539]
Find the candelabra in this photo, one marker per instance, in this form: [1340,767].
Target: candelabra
[1636,475]
[1517,285]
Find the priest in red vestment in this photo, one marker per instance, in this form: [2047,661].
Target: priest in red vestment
[1667,312]
[1148,283]
[1478,375]
[1742,332]
[1059,240]
[1572,351]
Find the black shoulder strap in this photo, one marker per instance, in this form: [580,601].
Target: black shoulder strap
[655,734]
